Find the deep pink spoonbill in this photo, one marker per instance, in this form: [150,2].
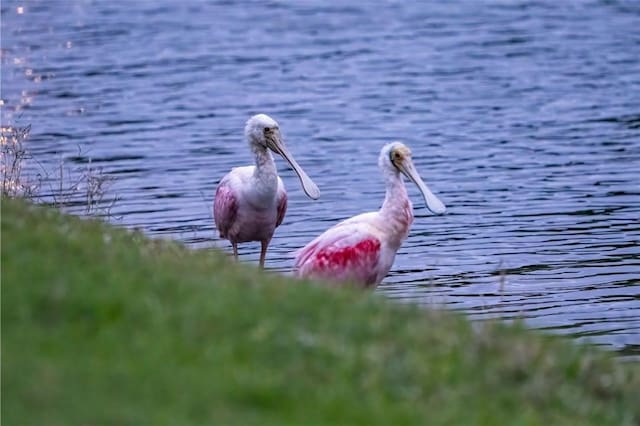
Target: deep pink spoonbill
[251,201]
[361,249]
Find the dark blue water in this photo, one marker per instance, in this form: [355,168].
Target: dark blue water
[524,117]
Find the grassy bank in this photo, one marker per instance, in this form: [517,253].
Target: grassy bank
[101,326]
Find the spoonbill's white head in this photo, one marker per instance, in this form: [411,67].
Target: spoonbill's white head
[260,128]
[395,158]
[263,131]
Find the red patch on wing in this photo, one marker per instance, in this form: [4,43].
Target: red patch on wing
[225,209]
[364,252]
[282,208]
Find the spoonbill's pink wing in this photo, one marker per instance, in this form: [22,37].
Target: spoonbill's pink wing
[343,253]
[225,208]
[282,206]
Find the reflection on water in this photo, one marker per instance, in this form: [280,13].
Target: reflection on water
[524,118]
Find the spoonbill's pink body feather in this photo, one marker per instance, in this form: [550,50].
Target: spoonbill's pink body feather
[241,219]
[360,249]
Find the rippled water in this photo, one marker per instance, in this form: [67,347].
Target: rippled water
[524,117]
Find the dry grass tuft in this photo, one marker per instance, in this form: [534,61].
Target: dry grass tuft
[81,190]
[12,157]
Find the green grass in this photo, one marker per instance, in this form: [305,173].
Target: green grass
[101,326]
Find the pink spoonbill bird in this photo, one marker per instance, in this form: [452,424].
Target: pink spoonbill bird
[361,249]
[251,201]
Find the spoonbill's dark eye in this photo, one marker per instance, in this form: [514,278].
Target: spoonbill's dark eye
[267,129]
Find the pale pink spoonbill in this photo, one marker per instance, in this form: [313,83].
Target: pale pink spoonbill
[361,249]
[251,201]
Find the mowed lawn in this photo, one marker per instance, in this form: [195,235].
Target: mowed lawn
[102,326]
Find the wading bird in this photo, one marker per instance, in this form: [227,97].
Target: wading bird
[251,201]
[361,249]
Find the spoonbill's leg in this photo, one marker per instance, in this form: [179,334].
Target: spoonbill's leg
[235,251]
[263,252]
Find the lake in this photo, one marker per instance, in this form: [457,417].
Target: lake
[523,117]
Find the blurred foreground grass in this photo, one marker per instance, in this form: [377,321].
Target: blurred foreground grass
[102,326]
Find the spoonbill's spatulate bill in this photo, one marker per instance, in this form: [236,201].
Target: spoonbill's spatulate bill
[251,201]
[361,249]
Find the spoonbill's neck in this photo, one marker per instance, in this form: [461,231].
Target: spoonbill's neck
[265,177]
[396,211]
[265,164]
